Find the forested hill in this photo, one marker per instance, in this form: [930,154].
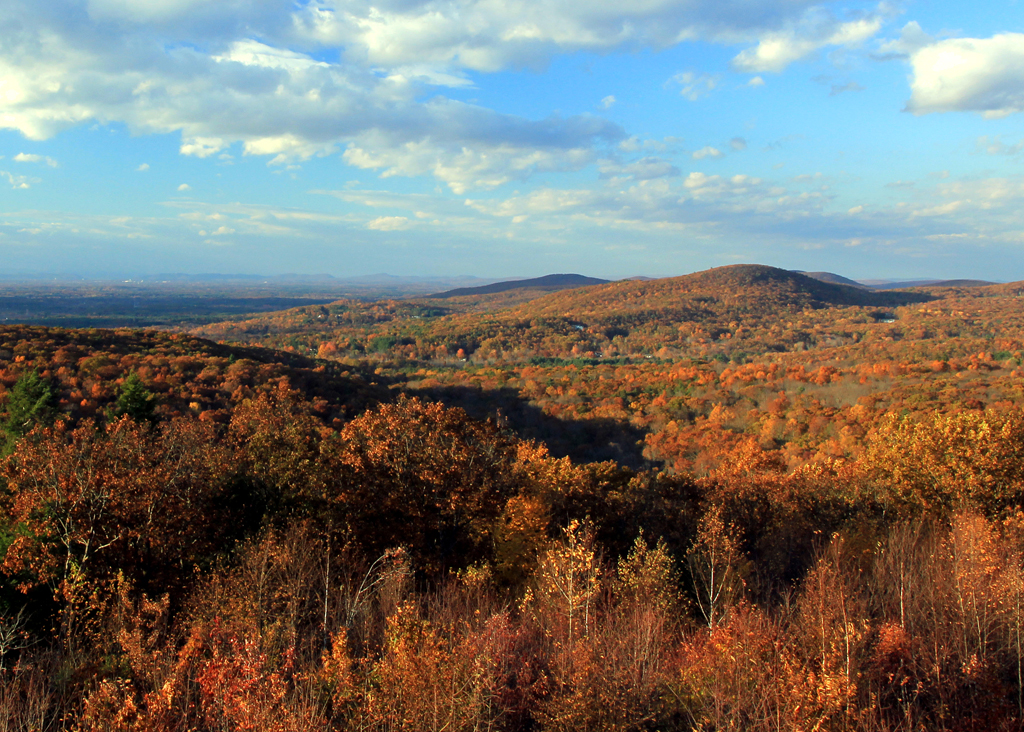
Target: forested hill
[551,282]
[748,288]
[722,313]
[85,370]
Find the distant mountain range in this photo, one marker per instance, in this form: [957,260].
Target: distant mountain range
[890,284]
[877,285]
[832,278]
[551,283]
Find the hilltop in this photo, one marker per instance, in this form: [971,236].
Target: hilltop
[751,288]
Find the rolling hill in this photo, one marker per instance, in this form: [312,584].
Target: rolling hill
[749,288]
[715,313]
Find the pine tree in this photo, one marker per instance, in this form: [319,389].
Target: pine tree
[30,402]
[134,400]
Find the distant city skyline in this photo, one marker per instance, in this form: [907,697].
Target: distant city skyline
[875,140]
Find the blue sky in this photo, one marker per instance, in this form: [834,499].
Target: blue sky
[511,137]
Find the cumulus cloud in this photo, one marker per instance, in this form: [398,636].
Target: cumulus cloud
[702,201]
[608,102]
[17,181]
[184,187]
[983,75]
[388,223]
[486,36]
[253,73]
[31,158]
[142,168]
[194,70]
[817,29]
[469,147]
[707,152]
[756,82]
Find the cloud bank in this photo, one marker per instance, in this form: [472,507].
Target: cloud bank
[363,79]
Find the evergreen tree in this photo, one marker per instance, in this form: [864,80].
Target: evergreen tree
[134,400]
[30,402]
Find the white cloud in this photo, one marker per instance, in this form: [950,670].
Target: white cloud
[608,102]
[710,209]
[142,168]
[470,147]
[184,187]
[942,218]
[273,100]
[643,169]
[202,147]
[912,39]
[995,146]
[631,144]
[31,158]
[694,86]
[388,223]
[817,29]
[17,181]
[983,75]
[291,80]
[253,53]
[738,144]
[485,35]
[756,82]
[707,152]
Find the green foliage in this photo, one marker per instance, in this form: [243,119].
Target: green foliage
[381,344]
[31,402]
[134,400]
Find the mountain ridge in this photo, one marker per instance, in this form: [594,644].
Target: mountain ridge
[551,281]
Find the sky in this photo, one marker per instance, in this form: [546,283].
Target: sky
[511,138]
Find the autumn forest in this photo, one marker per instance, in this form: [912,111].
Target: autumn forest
[743,499]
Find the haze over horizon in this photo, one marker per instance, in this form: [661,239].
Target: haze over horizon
[511,139]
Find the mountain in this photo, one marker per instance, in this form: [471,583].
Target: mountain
[744,288]
[551,282]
